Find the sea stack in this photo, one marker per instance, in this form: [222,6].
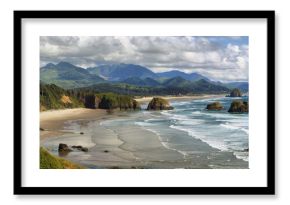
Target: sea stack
[236,93]
[63,148]
[159,104]
[214,106]
[238,106]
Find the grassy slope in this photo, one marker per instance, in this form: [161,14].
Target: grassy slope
[48,161]
[51,95]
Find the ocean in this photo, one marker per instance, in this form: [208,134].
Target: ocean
[189,137]
[219,129]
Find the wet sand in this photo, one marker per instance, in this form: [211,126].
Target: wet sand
[121,147]
[52,121]
[125,147]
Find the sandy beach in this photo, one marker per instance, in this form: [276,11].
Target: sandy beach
[113,142]
[52,121]
[121,148]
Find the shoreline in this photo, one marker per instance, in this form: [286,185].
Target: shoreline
[183,97]
[125,146]
[53,121]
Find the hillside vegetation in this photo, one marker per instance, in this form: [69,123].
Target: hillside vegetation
[67,75]
[48,161]
[54,97]
[109,78]
[176,86]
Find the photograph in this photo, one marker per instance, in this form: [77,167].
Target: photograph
[144,102]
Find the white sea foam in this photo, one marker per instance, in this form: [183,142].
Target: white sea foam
[222,115]
[183,120]
[190,132]
[163,141]
[214,142]
[233,127]
[242,155]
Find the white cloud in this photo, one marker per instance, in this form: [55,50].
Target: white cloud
[210,56]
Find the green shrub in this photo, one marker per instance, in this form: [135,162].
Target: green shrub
[48,161]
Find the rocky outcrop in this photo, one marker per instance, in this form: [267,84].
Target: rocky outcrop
[65,99]
[80,148]
[238,106]
[111,101]
[136,105]
[235,93]
[159,104]
[63,148]
[92,101]
[49,161]
[214,106]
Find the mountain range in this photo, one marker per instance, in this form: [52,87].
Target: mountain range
[120,72]
[176,73]
[69,76]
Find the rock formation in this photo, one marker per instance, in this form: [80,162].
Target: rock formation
[238,106]
[159,104]
[214,106]
[236,93]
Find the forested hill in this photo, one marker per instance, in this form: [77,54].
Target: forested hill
[54,97]
[174,86]
[69,76]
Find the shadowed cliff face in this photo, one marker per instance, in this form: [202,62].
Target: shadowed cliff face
[92,101]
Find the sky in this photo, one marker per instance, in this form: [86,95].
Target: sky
[220,58]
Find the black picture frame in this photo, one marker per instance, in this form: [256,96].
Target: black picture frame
[19,189]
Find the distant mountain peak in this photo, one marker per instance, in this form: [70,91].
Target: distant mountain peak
[63,63]
[49,65]
[186,76]
[67,75]
[203,81]
[122,71]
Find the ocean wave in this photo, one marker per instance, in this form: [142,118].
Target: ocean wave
[224,115]
[165,143]
[193,134]
[197,112]
[217,143]
[233,127]
[242,155]
[154,120]
[190,122]
[183,119]
[180,103]
[143,124]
